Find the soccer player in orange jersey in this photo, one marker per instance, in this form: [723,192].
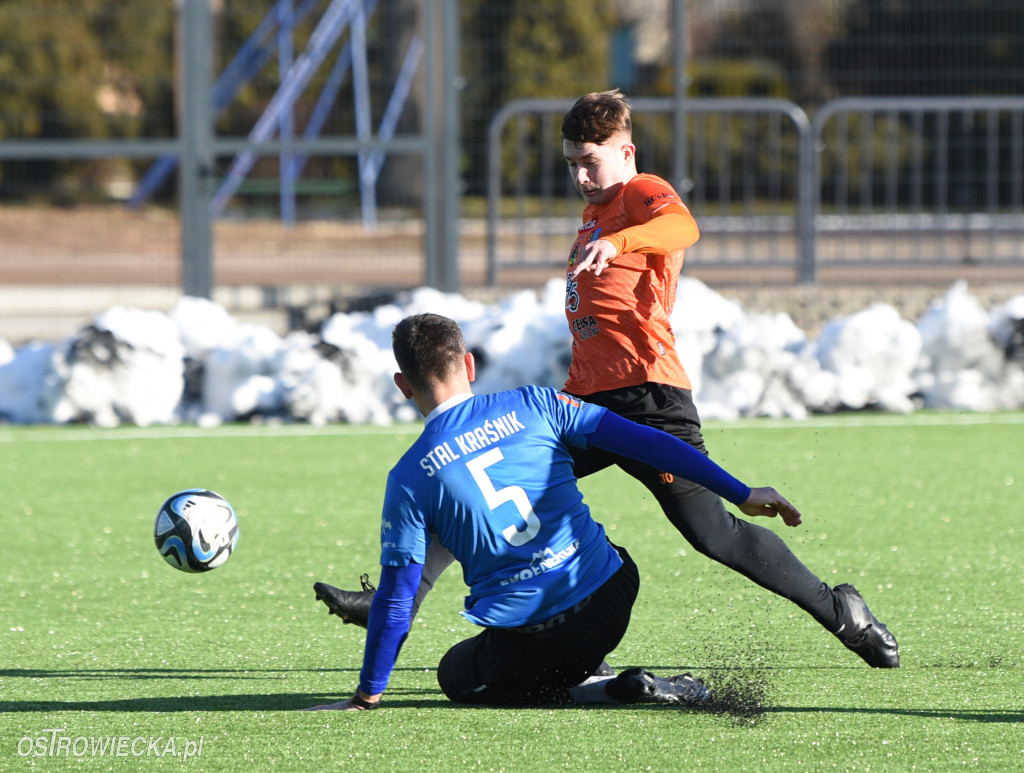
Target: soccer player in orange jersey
[620,289]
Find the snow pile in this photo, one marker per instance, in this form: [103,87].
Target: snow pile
[199,365]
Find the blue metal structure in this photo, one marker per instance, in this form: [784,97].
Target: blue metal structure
[249,60]
[274,33]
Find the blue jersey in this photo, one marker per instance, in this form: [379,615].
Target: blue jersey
[492,477]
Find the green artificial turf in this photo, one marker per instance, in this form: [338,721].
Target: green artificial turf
[100,639]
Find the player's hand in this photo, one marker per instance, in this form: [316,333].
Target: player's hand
[594,256]
[769,502]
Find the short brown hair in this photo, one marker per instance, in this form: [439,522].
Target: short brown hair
[596,117]
[428,348]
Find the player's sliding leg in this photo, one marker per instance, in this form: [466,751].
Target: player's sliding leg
[638,685]
[541,663]
[352,606]
[438,559]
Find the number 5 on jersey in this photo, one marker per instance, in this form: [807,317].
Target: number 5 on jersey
[514,494]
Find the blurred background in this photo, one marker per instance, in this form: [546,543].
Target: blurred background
[296,158]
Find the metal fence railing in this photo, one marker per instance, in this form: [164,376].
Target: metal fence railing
[744,160]
[919,181]
[886,181]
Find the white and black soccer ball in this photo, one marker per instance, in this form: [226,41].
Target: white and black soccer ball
[196,530]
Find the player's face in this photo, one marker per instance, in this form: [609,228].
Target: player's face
[599,170]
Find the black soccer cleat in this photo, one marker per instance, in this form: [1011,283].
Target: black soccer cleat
[862,633]
[638,685]
[352,606]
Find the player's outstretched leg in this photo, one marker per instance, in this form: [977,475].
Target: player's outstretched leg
[763,557]
[862,633]
[352,606]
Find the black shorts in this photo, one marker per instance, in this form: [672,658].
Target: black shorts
[538,664]
[667,408]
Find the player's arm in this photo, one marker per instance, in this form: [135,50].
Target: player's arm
[669,229]
[390,613]
[666,453]
[386,630]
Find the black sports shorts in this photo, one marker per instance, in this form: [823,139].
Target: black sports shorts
[538,664]
[667,408]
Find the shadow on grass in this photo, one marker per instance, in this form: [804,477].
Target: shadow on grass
[990,715]
[296,701]
[197,703]
[163,673]
[190,703]
[208,703]
[396,699]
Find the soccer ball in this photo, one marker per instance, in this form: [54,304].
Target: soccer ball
[196,530]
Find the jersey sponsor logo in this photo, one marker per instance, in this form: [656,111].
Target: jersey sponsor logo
[587,225]
[584,327]
[543,561]
[657,196]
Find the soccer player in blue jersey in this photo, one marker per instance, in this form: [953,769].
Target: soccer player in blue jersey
[491,480]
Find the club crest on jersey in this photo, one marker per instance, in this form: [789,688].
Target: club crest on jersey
[574,255]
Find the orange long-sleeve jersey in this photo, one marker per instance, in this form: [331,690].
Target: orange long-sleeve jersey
[620,320]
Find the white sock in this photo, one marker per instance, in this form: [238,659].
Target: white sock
[591,690]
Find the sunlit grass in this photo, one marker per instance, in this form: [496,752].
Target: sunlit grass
[100,637]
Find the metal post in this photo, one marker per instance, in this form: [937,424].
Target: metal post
[680,83]
[431,9]
[196,168]
[364,123]
[285,59]
[446,143]
[808,193]
[453,144]
[442,181]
